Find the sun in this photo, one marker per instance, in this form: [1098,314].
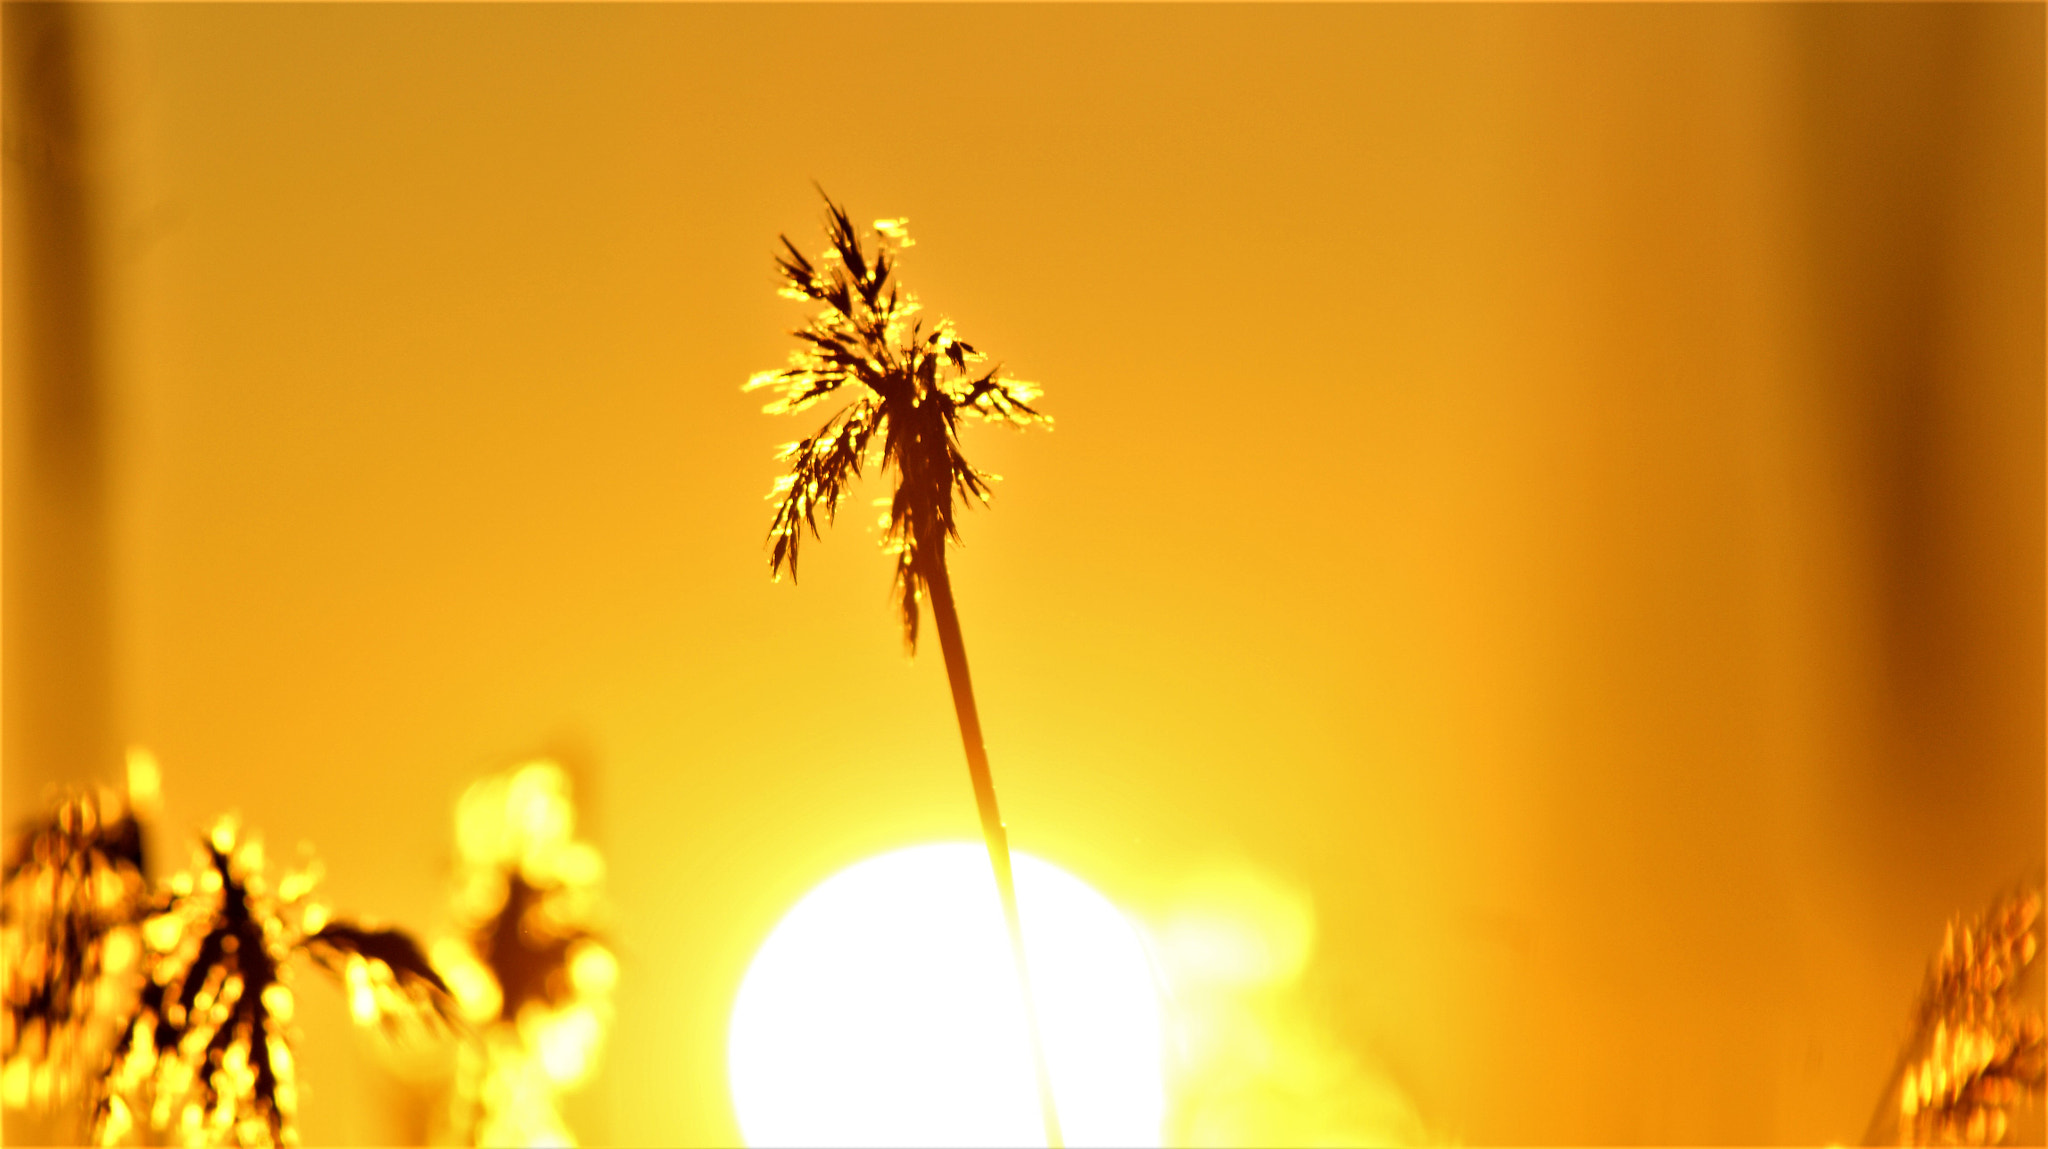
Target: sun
[883,1010]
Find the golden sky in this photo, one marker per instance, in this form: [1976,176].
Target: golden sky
[1556,490]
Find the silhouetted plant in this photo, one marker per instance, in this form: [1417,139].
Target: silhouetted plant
[907,386]
[190,978]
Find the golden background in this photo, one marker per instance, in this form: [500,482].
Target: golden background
[1559,488]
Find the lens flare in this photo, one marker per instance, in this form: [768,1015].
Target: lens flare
[1258,1063]
[883,1010]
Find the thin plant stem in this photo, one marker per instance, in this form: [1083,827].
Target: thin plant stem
[992,833]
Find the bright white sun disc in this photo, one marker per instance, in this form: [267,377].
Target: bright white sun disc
[883,1010]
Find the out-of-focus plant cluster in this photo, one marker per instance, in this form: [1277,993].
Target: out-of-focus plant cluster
[164,1009]
[160,1011]
[1977,1050]
[70,915]
[530,975]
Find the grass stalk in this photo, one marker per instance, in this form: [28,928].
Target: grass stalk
[993,835]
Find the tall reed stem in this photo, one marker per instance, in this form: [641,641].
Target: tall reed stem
[992,832]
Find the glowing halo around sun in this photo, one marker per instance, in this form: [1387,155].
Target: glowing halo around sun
[883,1010]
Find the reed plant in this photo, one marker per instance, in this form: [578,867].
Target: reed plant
[907,386]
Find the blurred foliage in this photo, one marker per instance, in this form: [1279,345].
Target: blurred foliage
[73,899]
[1975,1057]
[163,1010]
[530,975]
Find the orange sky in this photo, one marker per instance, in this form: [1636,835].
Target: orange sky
[1560,488]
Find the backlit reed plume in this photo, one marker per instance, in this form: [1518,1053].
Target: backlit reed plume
[532,978]
[906,384]
[1976,1050]
[200,1046]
